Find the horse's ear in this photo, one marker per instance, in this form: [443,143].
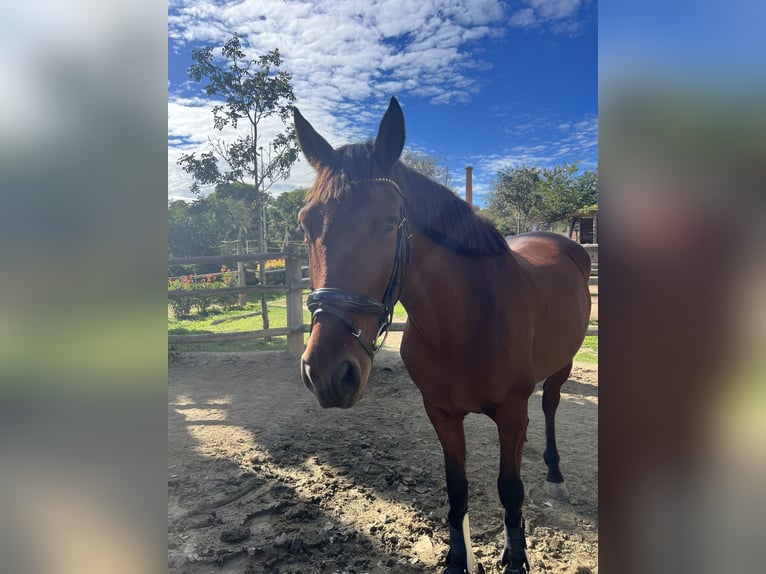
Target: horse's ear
[316,149]
[390,140]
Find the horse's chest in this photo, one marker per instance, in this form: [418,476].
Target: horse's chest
[466,373]
[454,385]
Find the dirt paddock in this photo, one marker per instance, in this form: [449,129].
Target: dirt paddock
[261,479]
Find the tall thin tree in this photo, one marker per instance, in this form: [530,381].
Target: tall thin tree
[251,90]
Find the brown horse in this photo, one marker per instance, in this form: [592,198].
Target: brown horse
[487,320]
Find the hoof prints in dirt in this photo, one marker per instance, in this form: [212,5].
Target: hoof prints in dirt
[263,480]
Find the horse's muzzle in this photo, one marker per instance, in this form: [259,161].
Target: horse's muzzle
[342,388]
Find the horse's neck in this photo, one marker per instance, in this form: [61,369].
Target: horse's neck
[439,281]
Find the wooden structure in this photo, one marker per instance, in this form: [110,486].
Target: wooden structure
[583,226]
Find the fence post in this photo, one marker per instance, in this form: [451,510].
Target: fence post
[294,299]
[242,281]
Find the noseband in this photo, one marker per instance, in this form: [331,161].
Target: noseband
[340,303]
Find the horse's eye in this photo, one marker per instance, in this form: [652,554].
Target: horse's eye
[310,221]
[389,225]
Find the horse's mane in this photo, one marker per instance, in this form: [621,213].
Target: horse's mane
[432,208]
[445,218]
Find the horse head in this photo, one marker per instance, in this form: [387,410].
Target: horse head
[354,224]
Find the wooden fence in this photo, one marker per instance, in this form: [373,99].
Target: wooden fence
[292,288]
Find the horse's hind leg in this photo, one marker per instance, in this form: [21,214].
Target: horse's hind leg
[554,482]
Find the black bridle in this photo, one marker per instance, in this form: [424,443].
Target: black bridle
[340,303]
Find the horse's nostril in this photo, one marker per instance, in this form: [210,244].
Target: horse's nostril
[347,377]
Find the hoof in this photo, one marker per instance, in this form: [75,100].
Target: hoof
[458,570]
[557,490]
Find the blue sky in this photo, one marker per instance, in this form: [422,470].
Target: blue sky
[486,83]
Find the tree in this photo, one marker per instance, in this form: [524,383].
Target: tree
[502,223]
[232,204]
[282,217]
[428,165]
[544,197]
[193,229]
[563,192]
[516,194]
[253,90]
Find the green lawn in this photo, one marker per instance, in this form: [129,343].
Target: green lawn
[196,324]
[588,352]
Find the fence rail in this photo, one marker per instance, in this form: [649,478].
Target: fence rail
[293,289]
[177,293]
[215,259]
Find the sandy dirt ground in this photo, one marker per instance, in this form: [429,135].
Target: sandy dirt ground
[262,480]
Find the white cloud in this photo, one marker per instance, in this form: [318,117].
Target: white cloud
[554,9]
[547,141]
[338,52]
[563,17]
[347,58]
[524,18]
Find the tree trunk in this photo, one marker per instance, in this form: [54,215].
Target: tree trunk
[261,232]
[241,270]
[264,307]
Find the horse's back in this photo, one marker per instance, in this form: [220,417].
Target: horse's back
[542,248]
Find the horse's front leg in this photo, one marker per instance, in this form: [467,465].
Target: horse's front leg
[449,429]
[511,422]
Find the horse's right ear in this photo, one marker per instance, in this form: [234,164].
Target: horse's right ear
[316,149]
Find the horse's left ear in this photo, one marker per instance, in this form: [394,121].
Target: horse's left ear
[390,140]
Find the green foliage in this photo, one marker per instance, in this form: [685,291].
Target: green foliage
[540,197]
[563,192]
[235,206]
[282,217]
[192,230]
[200,227]
[252,90]
[515,195]
[588,352]
[430,166]
[197,324]
[502,223]
[245,90]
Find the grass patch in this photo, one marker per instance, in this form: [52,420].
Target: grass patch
[199,324]
[588,352]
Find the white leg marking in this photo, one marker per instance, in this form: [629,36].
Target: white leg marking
[468,550]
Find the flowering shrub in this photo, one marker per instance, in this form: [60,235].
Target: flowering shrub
[228,279]
[277,271]
[272,264]
[182,306]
